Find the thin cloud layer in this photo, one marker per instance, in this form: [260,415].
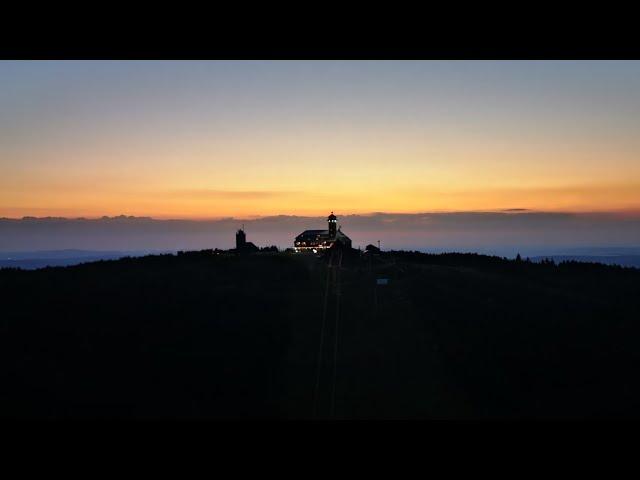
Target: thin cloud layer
[501,232]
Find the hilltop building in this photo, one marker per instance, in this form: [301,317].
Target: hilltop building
[316,240]
[242,246]
[371,249]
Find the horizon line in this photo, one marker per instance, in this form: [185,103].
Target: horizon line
[510,211]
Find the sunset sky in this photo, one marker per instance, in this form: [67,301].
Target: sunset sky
[204,140]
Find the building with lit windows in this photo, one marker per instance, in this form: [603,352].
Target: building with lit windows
[316,240]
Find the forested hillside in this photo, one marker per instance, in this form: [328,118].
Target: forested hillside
[215,335]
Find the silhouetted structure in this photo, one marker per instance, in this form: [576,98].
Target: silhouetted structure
[316,240]
[242,246]
[241,239]
[371,249]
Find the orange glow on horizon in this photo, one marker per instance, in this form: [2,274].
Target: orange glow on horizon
[206,205]
[204,140]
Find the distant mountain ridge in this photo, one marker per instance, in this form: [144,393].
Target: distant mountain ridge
[62,258]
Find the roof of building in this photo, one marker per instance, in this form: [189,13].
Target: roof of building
[313,233]
[322,234]
[340,234]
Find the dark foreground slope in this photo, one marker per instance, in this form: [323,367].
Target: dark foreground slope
[221,336]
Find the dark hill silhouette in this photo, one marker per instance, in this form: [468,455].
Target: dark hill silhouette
[214,335]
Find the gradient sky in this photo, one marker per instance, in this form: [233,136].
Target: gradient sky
[216,139]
